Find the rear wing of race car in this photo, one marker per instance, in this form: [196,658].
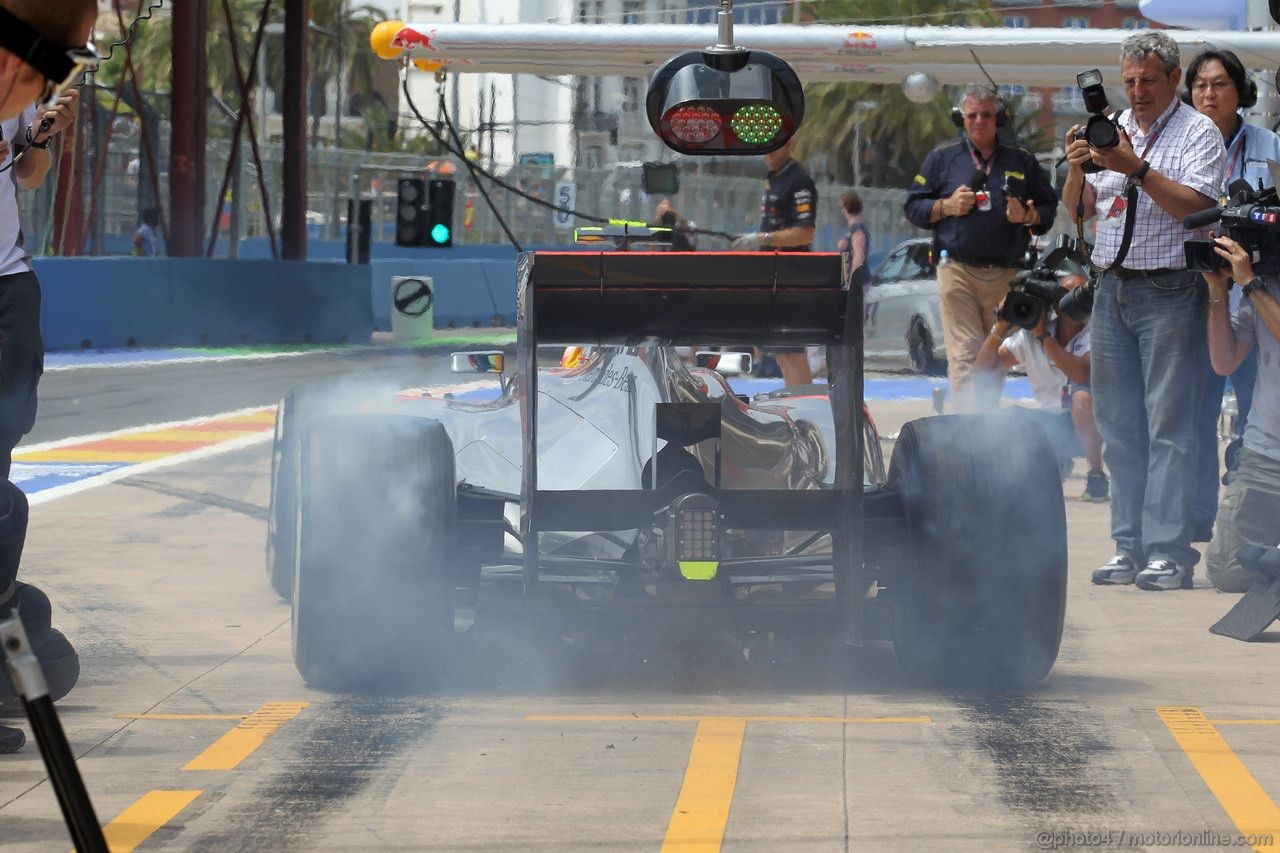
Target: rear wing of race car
[702,298]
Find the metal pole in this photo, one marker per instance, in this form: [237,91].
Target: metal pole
[342,67]
[59,761]
[294,102]
[233,238]
[187,140]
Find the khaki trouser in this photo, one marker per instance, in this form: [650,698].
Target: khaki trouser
[1249,514]
[969,297]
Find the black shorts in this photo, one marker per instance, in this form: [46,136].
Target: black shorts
[21,360]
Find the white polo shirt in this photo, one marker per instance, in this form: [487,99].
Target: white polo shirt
[1046,380]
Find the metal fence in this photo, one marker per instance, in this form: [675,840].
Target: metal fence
[716,202]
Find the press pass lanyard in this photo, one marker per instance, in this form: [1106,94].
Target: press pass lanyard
[1131,195]
[1240,157]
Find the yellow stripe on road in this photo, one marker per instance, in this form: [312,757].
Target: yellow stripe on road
[702,809]
[136,823]
[71,455]
[1246,803]
[181,716]
[239,743]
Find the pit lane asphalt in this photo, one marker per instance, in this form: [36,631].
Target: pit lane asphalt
[158,579]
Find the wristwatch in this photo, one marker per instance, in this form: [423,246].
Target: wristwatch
[764,239]
[31,140]
[1255,283]
[1040,338]
[1138,176]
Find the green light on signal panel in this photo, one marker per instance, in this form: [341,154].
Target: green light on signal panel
[440,233]
[756,124]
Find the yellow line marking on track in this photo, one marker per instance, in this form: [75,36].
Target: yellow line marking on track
[706,795]
[702,808]
[239,743]
[677,718]
[181,716]
[1243,799]
[136,823]
[93,456]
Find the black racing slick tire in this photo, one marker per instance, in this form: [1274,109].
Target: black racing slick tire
[920,350]
[982,597]
[373,590]
[293,413]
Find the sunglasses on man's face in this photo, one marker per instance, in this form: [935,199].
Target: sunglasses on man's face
[60,66]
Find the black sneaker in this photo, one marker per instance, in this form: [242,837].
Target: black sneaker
[1097,488]
[1161,574]
[11,740]
[1203,532]
[1120,570]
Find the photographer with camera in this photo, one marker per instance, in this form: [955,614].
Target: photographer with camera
[43,50]
[1054,351]
[983,199]
[1219,87]
[1163,162]
[1250,513]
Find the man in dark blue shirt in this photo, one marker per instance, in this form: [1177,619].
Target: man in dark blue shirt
[787,214]
[960,194]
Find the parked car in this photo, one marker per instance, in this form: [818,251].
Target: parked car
[904,318]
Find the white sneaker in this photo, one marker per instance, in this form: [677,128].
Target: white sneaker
[1163,574]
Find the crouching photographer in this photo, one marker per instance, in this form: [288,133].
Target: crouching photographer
[1250,510]
[1053,348]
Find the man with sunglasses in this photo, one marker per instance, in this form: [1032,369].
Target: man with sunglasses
[983,198]
[42,53]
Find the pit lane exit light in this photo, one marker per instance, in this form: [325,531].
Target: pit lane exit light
[745,102]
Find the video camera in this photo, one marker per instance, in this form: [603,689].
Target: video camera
[1036,288]
[1251,218]
[1099,131]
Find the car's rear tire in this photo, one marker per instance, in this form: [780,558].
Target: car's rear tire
[982,598]
[373,593]
[292,415]
[920,350]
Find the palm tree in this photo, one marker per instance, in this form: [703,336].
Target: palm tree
[339,42]
[896,133]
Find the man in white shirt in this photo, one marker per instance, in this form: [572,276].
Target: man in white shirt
[1055,355]
[1149,313]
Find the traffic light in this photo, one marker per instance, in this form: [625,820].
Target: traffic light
[439,223]
[740,102]
[411,219]
[424,213]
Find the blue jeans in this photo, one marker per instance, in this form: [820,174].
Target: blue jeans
[1207,469]
[1149,348]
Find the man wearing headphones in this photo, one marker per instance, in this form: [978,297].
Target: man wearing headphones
[983,229]
[1220,88]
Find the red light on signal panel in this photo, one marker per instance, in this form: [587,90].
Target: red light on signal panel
[694,124]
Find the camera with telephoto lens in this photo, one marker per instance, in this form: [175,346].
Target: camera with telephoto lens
[1099,131]
[1251,218]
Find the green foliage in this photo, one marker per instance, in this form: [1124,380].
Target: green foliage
[153,61]
[896,134]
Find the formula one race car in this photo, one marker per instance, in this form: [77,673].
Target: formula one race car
[632,489]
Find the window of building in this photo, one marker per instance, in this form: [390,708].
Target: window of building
[632,11]
[1016,21]
[631,96]
[1135,23]
[1076,23]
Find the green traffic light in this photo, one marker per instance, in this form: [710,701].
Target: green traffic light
[440,233]
[756,124]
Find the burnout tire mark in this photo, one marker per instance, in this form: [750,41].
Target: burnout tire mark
[348,746]
[1050,758]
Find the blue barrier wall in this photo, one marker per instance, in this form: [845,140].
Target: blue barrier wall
[118,302]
